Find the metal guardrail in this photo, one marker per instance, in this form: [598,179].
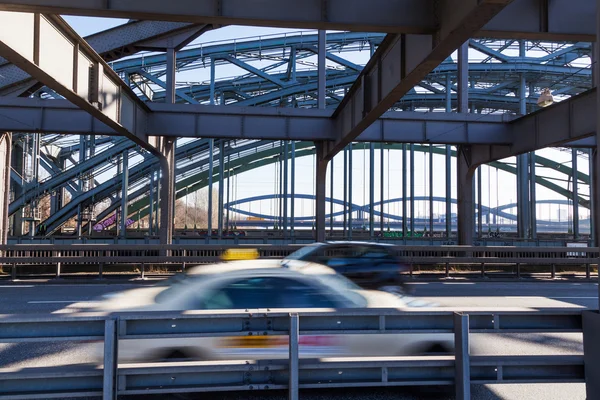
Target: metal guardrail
[292,374]
[183,255]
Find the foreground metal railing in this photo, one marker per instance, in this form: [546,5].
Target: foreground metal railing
[461,369]
[180,256]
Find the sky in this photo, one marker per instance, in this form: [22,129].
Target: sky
[498,187]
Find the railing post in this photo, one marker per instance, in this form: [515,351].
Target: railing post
[293,360]
[58,264]
[587,272]
[111,346]
[518,270]
[447,270]
[143,271]
[100,269]
[462,362]
[13,272]
[553,270]
[183,263]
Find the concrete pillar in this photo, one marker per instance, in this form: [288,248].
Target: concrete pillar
[167,190]
[5,151]
[465,197]
[320,190]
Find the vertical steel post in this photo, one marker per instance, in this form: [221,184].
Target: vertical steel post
[322,69]
[212,81]
[320,191]
[595,160]
[448,191]
[404,189]
[412,189]
[5,168]
[350,175]
[124,190]
[331,187]
[211,163]
[294,336]
[293,189]
[279,197]
[463,78]
[371,190]
[151,203]
[167,190]
[479,204]
[345,192]
[431,189]
[381,189]
[171,72]
[533,195]
[111,346]
[575,179]
[221,188]
[592,194]
[227,225]
[448,93]
[285,187]
[461,354]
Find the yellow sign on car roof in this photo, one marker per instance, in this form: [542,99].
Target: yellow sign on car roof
[240,254]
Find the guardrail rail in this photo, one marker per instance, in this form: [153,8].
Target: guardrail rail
[461,369]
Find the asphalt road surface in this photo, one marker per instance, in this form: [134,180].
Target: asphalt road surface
[44,298]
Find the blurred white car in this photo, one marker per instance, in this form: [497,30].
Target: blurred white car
[261,284]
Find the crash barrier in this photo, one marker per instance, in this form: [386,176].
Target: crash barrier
[460,369]
[180,256]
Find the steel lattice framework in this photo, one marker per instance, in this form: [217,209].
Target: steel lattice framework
[279,71]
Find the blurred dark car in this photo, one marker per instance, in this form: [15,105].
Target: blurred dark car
[360,261]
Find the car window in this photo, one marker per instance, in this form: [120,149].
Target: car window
[267,292]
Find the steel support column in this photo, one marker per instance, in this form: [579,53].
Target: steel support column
[320,190]
[350,175]
[345,199]
[523,173]
[430,188]
[221,188]
[371,190]
[381,189]
[322,69]
[448,191]
[124,190]
[285,188]
[479,204]
[167,190]
[575,192]
[211,158]
[464,180]
[404,189]
[412,189]
[293,189]
[533,196]
[5,152]
[151,203]
[465,197]
[331,197]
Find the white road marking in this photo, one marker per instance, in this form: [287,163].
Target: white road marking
[15,286]
[565,297]
[458,283]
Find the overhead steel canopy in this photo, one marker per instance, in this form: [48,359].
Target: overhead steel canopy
[401,62]
[112,44]
[48,49]
[524,19]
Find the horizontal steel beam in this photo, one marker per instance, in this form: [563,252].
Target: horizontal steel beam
[559,124]
[534,19]
[48,49]
[188,120]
